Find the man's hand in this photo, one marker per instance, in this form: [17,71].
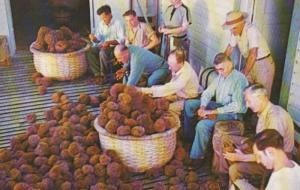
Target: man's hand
[201,112]
[234,157]
[207,114]
[164,30]
[105,45]
[93,38]
[120,73]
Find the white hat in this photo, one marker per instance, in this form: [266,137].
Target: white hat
[234,18]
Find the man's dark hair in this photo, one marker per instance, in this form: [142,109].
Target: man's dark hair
[130,13]
[220,58]
[104,9]
[268,138]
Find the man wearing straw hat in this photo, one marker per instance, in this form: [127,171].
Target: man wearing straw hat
[260,67]
[177,19]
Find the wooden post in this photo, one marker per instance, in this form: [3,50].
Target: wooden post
[4,52]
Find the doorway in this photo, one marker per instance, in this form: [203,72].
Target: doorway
[29,15]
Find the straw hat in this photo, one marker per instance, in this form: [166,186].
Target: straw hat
[234,18]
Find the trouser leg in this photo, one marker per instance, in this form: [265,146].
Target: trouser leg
[263,72]
[93,60]
[203,132]
[158,76]
[106,61]
[190,118]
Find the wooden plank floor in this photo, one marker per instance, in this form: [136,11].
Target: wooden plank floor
[19,96]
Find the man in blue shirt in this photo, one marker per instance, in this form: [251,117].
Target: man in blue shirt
[136,61]
[227,88]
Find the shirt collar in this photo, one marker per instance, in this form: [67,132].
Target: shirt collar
[181,70]
[228,76]
[112,21]
[265,111]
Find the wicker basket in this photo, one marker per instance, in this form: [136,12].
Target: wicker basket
[60,66]
[141,153]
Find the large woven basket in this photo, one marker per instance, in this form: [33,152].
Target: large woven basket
[60,66]
[141,153]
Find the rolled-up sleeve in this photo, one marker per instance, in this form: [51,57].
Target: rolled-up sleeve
[170,87]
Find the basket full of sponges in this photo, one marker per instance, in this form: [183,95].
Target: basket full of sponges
[59,54]
[137,127]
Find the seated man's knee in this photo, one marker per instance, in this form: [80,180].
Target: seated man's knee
[205,127]
[191,107]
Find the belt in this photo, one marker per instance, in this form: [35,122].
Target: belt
[180,37]
[264,57]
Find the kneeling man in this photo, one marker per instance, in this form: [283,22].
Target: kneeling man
[183,85]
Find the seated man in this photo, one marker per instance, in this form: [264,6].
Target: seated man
[183,85]
[136,61]
[229,105]
[109,33]
[270,116]
[139,33]
[268,150]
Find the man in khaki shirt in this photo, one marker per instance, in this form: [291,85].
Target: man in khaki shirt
[270,116]
[138,33]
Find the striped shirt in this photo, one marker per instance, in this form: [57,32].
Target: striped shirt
[176,17]
[228,92]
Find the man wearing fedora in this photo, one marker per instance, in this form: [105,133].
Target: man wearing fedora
[259,67]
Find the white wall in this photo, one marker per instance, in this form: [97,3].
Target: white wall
[6,25]
[273,19]
[289,96]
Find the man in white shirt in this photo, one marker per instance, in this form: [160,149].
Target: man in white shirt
[260,67]
[268,150]
[139,33]
[109,33]
[183,85]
